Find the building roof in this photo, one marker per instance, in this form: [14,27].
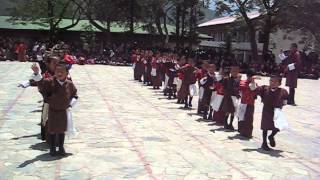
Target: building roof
[227,20]
[82,26]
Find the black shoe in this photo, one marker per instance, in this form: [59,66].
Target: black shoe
[210,117]
[186,106]
[230,127]
[140,80]
[169,97]
[190,104]
[53,151]
[179,101]
[265,147]
[62,152]
[272,141]
[205,117]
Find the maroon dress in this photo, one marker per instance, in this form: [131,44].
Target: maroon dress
[230,88]
[59,99]
[248,97]
[292,76]
[188,79]
[208,90]
[156,80]
[271,99]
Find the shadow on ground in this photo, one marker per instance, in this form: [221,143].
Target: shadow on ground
[44,158]
[29,136]
[272,152]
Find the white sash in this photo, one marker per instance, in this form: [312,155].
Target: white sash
[24,84]
[176,80]
[280,120]
[201,92]
[216,103]
[241,111]
[235,101]
[45,113]
[179,83]
[153,72]
[71,131]
[166,79]
[193,90]
[291,67]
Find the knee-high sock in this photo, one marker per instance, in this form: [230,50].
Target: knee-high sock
[211,112]
[231,119]
[264,136]
[190,100]
[226,120]
[186,101]
[274,132]
[291,95]
[61,140]
[52,142]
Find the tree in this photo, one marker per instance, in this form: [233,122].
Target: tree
[305,17]
[46,13]
[242,8]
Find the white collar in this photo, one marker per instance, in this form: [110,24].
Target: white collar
[61,82]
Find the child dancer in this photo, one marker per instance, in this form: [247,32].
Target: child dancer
[63,94]
[273,97]
[246,107]
[208,85]
[231,94]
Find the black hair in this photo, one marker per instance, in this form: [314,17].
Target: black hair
[277,76]
[50,58]
[64,65]
[250,73]
[294,45]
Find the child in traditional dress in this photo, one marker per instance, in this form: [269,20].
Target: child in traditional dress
[208,86]
[200,74]
[51,63]
[189,80]
[246,107]
[63,94]
[272,97]
[231,95]
[155,72]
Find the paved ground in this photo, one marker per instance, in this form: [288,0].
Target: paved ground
[128,131]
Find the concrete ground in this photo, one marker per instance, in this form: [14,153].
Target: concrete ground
[129,131]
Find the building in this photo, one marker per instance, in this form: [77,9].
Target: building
[219,28]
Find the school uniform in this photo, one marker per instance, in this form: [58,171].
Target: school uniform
[155,73]
[246,109]
[218,114]
[231,92]
[188,79]
[200,74]
[271,99]
[60,96]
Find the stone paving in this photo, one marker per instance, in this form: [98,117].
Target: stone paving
[129,131]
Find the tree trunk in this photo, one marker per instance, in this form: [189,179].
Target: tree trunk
[131,19]
[266,38]
[52,30]
[108,30]
[166,41]
[178,14]
[193,24]
[253,42]
[183,23]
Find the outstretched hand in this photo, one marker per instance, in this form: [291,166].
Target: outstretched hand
[35,68]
